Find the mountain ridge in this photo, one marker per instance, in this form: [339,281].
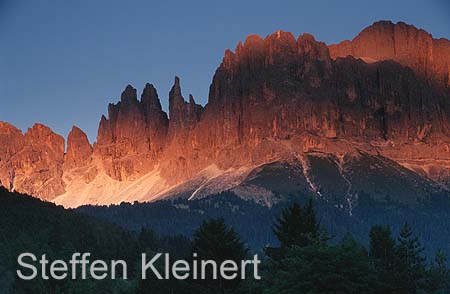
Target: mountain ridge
[384,40]
[271,100]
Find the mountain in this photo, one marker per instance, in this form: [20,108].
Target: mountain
[403,43]
[285,115]
[32,162]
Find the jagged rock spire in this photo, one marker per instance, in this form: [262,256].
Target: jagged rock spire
[79,150]
[134,129]
[129,95]
[176,99]
[183,115]
[149,98]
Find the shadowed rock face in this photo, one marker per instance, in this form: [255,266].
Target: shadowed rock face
[270,99]
[403,43]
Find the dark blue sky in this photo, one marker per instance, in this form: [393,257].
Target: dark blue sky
[62,62]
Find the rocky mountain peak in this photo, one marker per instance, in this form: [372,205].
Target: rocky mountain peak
[7,127]
[135,130]
[314,49]
[285,39]
[79,150]
[253,42]
[149,98]
[129,95]
[191,99]
[402,43]
[32,162]
[183,115]
[175,97]
[273,97]
[40,135]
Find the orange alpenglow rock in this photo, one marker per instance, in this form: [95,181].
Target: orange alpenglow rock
[133,136]
[11,142]
[403,43]
[32,163]
[271,99]
[79,150]
[183,115]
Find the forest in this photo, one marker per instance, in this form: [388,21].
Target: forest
[305,258]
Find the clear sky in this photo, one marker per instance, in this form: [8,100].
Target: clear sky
[62,62]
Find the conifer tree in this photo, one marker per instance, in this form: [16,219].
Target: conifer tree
[409,262]
[382,245]
[214,240]
[297,226]
[438,276]
[382,251]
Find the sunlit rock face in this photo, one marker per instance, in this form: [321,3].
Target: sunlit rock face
[11,142]
[279,95]
[403,43]
[79,150]
[272,99]
[33,162]
[130,140]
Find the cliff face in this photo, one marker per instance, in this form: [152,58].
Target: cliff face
[278,96]
[183,115]
[32,162]
[79,150]
[11,142]
[133,136]
[403,43]
[271,99]
[279,87]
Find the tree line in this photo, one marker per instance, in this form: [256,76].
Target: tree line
[306,258]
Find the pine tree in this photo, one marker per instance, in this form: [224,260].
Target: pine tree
[382,245]
[320,268]
[297,226]
[214,240]
[438,276]
[409,262]
[382,252]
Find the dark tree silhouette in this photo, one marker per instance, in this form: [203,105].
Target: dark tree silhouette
[214,240]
